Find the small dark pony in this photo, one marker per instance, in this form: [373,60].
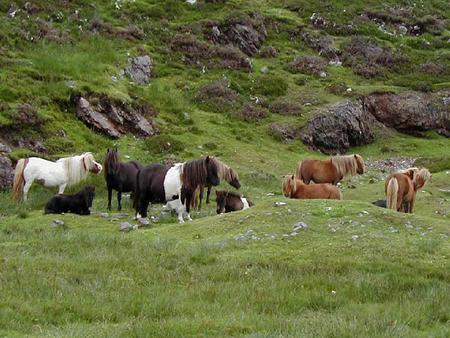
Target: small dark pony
[78,203]
[294,188]
[119,176]
[330,171]
[230,201]
[225,173]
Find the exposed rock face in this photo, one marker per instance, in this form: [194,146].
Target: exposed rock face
[283,132]
[6,173]
[247,32]
[339,127]
[411,112]
[321,44]
[115,118]
[139,69]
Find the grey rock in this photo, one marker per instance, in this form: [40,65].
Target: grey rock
[104,215]
[115,118]
[264,69]
[6,173]
[4,148]
[139,69]
[299,225]
[58,223]
[144,221]
[337,128]
[125,227]
[280,204]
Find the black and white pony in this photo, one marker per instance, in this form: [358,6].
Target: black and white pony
[65,171]
[119,176]
[158,183]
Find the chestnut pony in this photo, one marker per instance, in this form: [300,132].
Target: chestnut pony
[295,188]
[401,188]
[330,171]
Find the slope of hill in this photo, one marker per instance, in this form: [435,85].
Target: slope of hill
[239,80]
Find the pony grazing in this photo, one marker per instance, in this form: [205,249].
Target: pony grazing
[330,171]
[158,183]
[78,203]
[225,173]
[295,188]
[65,171]
[230,201]
[119,176]
[401,188]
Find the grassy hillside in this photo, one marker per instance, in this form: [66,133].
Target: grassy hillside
[356,270]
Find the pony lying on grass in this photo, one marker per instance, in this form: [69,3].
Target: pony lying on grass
[295,188]
[65,171]
[401,188]
[78,203]
[330,171]
[231,201]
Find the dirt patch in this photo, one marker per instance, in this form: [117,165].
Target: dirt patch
[218,96]
[435,69]
[251,113]
[131,32]
[285,107]
[46,31]
[193,49]
[311,65]
[321,44]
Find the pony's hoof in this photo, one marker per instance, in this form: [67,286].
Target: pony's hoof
[180,221]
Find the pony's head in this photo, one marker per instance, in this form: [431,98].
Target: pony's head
[359,164]
[90,164]
[212,170]
[221,199]
[289,185]
[421,177]
[111,161]
[88,194]
[232,178]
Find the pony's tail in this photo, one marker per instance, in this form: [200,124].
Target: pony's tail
[299,170]
[391,194]
[136,192]
[19,180]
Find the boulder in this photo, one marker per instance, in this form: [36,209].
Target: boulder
[411,112]
[337,128]
[247,32]
[6,173]
[115,118]
[321,44]
[139,69]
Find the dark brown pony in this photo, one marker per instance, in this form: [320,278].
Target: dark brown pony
[330,171]
[225,173]
[119,176]
[294,188]
[230,201]
[401,188]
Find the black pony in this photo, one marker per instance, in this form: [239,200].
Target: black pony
[158,183]
[119,176]
[78,203]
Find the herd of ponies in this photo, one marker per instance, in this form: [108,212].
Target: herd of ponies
[181,185]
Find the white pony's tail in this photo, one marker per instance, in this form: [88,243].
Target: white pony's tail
[19,180]
[391,194]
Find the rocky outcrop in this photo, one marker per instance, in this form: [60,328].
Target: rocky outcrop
[139,69]
[115,118]
[337,128]
[321,44]
[6,173]
[247,32]
[411,112]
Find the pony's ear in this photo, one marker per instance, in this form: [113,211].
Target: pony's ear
[207,159]
[217,193]
[292,177]
[107,150]
[354,155]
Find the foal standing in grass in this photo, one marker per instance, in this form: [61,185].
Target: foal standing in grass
[330,171]
[295,188]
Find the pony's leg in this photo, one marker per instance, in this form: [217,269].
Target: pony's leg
[143,205]
[26,188]
[412,203]
[200,198]
[180,212]
[119,200]
[62,187]
[208,193]
[109,197]
[189,196]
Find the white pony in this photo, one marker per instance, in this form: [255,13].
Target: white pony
[65,171]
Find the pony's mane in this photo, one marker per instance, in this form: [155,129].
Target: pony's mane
[226,173]
[232,194]
[346,164]
[111,162]
[194,173]
[421,177]
[75,167]
[289,184]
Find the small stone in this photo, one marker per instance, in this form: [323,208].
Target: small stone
[58,222]
[355,237]
[144,221]
[280,204]
[333,292]
[125,227]
[104,215]
[270,194]
[299,225]
[264,69]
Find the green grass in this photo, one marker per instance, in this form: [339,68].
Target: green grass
[88,279]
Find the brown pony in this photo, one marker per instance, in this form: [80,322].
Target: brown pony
[401,188]
[330,171]
[295,188]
